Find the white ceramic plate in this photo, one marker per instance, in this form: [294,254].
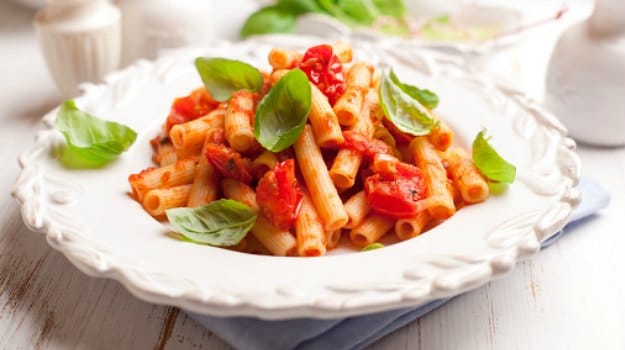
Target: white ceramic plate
[89,216]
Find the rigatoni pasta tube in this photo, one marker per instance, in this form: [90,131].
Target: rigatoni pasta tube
[277,74]
[470,183]
[333,238]
[409,228]
[190,136]
[322,191]
[263,163]
[349,105]
[343,51]
[370,230]
[357,209]
[166,154]
[277,241]
[309,230]
[158,200]
[347,162]
[238,121]
[204,188]
[280,58]
[439,199]
[324,123]
[179,173]
[442,137]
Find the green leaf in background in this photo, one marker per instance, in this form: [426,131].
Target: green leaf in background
[393,8]
[222,76]
[91,142]
[490,163]
[372,246]
[281,115]
[403,110]
[271,19]
[362,12]
[221,223]
[300,6]
[424,96]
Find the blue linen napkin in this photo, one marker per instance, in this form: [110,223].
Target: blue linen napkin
[355,333]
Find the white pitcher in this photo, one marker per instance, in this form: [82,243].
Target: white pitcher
[151,25]
[586,77]
[80,40]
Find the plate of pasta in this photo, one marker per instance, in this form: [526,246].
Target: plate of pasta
[289,177]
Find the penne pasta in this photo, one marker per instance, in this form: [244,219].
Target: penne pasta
[333,238]
[166,154]
[324,123]
[441,136]
[370,230]
[238,121]
[439,199]
[158,200]
[470,183]
[277,75]
[357,209]
[204,188]
[280,58]
[278,242]
[347,162]
[263,163]
[349,105]
[309,230]
[410,228]
[179,173]
[323,193]
[188,138]
[343,51]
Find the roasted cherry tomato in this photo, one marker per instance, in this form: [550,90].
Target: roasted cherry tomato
[190,107]
[228,162]
[358,142]
[325,70]
[396,188]
[279,196]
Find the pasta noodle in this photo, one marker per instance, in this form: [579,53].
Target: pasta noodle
[440,200]
[318,182]
[350,172]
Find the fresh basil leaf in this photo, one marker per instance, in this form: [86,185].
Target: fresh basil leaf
[404,111]
[362,12]
[281,115]
[372,246]
[271,19]
[426,97]
[490,163]
[222,76]
[221,223]
[301,6]
[393,8]
[496,188]
[91,142]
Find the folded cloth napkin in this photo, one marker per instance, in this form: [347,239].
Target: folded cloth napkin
[357,332]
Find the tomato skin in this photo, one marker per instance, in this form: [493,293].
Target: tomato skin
[360,143]
[279,196]
[396,189]
[187,108]
[228,162]
[325,70]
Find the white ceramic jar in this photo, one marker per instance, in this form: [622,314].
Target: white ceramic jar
[80,40]
[586,77]
[151,25]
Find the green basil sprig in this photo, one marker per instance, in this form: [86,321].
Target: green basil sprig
[91,142]
[403,109]
[426,97]
[221,223]
[222,76]
[497,170]
[282,16]
[282,113]
[372,246]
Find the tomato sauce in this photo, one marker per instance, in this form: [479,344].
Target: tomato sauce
[279,196]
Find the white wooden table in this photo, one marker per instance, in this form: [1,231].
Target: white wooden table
[570,296]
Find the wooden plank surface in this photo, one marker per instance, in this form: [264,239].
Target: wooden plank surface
[570,296]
